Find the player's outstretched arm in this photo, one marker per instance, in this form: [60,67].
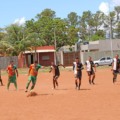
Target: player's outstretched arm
[86,65]
[0,72]
[61,65]
[112,65]
[7,70]
[95,68]
[50,69]
[17,72]
[82,67]
[42,67]
[29,71]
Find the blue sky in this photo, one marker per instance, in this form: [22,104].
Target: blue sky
[12,11]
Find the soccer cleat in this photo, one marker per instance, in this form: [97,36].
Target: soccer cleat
[89,81]
[26,91]
[78,88]
[93,83]
[114,80]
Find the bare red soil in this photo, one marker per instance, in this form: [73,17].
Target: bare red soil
[92,102]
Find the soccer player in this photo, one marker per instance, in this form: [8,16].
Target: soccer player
[115,67]
[33,72]
[12,73]
[56,73]
[91,69]
[1,79]
[77,67]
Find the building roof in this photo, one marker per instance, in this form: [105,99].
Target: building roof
[41,49]
[45,48]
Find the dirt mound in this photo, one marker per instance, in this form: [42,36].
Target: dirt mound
[32,94]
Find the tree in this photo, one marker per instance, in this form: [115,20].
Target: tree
[109,23]
[87,19]
[117,30]
[59,32]
[99,35]
[2,34]
[46,13]
[47,29]
[6,48]
[73,19]
[98,19]
[117,10]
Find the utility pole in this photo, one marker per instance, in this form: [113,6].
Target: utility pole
[55,46]
[110,32]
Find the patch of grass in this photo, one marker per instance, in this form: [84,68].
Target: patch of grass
[103,67]
[46,69]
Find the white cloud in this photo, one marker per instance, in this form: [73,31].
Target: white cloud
[20,21]
[104,7]
[116,2]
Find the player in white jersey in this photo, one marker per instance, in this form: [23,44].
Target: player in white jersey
[77,67]
[89,68]
[115,67]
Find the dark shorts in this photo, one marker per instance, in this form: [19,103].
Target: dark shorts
[90,73]
[78,75]
[115,72]
[55,77]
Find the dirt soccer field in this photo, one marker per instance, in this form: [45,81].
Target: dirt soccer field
[92,102]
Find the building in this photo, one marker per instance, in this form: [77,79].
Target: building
[43,54]
[95,49]
[101,45]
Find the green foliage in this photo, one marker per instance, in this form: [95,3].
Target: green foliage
[47,29]
[117,30]
[96,37]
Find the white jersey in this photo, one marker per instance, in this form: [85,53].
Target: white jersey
[114,64]
[75,67]
[88,65]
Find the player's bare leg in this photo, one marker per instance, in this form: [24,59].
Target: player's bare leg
[56,81]
[27,86]
[79,84]
[32,87]
[89,77]
[76,83]
[93,78]
[1,82]
[114,77]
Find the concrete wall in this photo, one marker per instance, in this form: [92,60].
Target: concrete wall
[97,55]
[4,61]
[44,59]
[46,62]
[107,45]
[67,58]
[102,45]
